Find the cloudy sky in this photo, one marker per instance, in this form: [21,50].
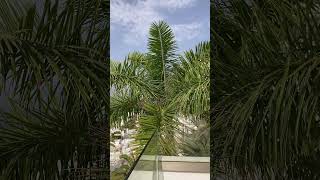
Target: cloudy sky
[131,19]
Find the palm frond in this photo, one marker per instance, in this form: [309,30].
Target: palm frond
[49,51]
[190,81]
[161,46]
[266,65]
[33,142]
[163,120]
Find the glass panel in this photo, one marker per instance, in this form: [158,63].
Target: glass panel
[192,162]
[194,140]
[146,167]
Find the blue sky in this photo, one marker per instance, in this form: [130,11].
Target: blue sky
[131,19]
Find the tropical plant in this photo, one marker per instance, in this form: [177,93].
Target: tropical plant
[197,143]
[54,69]
[156,88]
[121,172]
[266,88]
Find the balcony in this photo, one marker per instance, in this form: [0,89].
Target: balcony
[152,166]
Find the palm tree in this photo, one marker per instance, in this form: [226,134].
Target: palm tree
[266,91]
[146,76]
[54,69]
[156,88]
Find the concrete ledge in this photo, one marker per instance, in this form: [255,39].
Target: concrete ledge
[176,158]
[174,164]
[185,159]
[148,175]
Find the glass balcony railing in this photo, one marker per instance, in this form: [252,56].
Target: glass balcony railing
[147,165]
[153,166]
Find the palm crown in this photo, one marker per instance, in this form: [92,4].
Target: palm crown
[154,89]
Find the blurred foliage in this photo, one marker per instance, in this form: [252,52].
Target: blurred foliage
[54,70]
[265,64]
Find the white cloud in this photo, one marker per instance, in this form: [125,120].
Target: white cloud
[186,31]
[175,4]
[136,17]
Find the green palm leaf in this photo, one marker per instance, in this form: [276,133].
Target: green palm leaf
[190,81]
[266,66]
[53,59]
[162,48]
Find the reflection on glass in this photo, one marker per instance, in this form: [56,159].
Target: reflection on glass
[191,163]
[147,164]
